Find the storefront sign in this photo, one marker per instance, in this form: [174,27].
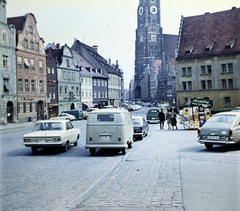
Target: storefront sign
[201,102]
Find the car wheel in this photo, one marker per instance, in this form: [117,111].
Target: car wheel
[209,146]
[123,151]
[34,149]
[75,143]
[129,145]
[92,151]
[141,137]
[65,148]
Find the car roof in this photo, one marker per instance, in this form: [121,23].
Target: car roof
[109,111]
[237,113]
[51,120]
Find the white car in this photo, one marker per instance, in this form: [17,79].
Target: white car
[64,116]
[52,133]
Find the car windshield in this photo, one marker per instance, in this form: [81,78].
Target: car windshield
[222,119]
[49,126]
[137,121]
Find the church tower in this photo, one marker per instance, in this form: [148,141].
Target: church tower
[149,40]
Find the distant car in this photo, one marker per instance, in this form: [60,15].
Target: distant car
[152,116]
[130,108]
[221,129]
[64,116]
[52,133]
[78,113]
[140,126]
[88,111]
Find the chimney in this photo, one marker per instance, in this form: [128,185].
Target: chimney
[58,45]
[95,47]
[74,40]
[109,62]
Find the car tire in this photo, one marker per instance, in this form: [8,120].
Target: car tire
[65,148]
[129,145]
[92,151]
[124,151]
[34,149]
[209,146]
[75,143]
[141,137]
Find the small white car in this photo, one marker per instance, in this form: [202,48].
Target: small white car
[64,116]
[52,133]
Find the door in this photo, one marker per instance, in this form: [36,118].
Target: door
[10,114]
[40,110]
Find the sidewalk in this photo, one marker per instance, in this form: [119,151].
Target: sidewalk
[11,126]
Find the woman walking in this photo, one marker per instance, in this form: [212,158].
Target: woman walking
[174,120]
[168,118]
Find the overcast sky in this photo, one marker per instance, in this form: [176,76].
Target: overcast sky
[110,24]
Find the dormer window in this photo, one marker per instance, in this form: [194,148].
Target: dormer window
[208,48]
[230,45]
[189,50]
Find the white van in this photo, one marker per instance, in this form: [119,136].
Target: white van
[109,128]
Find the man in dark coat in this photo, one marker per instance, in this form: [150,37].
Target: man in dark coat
[161,116]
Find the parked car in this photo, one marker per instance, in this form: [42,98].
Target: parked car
[221,129]
[88,111]
[79,114]
[52,133]
[140,126]
[65,116]
[130,108]
[109,128]
[152,116]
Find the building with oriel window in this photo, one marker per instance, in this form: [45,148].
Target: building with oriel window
[8,94]
[31,69]
[208,59]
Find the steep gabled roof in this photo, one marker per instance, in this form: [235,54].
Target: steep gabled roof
[210,34]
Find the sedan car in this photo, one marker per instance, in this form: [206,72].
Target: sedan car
[64,116]
[52,133]
[152,116]
[221,129]
[141,127]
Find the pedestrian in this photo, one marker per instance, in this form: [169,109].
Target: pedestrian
[168,118]
[161,116]
[174,120]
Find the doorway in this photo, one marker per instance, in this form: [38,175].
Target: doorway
[10,110]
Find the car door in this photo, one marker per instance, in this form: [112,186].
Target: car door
[70,131]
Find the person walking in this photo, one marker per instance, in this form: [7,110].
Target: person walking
[174,120]
[161,116]
[168,118]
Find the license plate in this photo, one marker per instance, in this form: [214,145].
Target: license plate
[213,137]
[153,118]
[105,138]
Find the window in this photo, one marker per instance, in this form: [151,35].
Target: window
[184,71]
[230,67]
[86,94]
[68,65]
[20,107]
[94,82]
[77,90]
[73,76]
[66,90]
[19,62]
[5,61]
[82,93]
[98,94]
[26,63]
[85,80]
[4,37]
[73,90]
[53,70]
[53,95]
[203,69]
[224,68]
[102,83]
[209,83]
[209,69]
[230,83]
[37,46]
[30,30]
[69,76]
[190,85]
[105,94]
[105,83]
[61,90]
[32,64]
[224,84]
[227,101]
[102,94]
[203,84]
[98,82]
[184,85]
[189,71]
[105,118]
[186,101]
[20,84]
[31,45]
[33,107]
[41,86]
[49,83]
[90,81]
[26,43]
[40,65]
[26,84]
[50,95]
[64,75]
[49,70]
[32,85]
[94,94]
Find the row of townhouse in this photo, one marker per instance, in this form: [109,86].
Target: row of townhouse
[38,83]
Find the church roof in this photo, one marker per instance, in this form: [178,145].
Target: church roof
[210,34]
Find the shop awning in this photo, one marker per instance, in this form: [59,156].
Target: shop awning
[7,85]
[88,105]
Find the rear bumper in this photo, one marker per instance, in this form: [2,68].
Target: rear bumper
[153,121]
[59,144]
[87,146]
[219,142]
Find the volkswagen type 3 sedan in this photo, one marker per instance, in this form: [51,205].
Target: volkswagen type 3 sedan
[52,133]
[222,129]
[140,126]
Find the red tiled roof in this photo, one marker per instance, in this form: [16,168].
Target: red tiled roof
[210,34]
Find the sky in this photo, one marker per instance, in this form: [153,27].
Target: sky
[109,24]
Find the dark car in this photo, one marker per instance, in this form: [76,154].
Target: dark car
[140,127]
[77,113]
[152,116]
[222,129]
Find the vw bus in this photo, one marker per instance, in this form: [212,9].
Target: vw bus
[109,128]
